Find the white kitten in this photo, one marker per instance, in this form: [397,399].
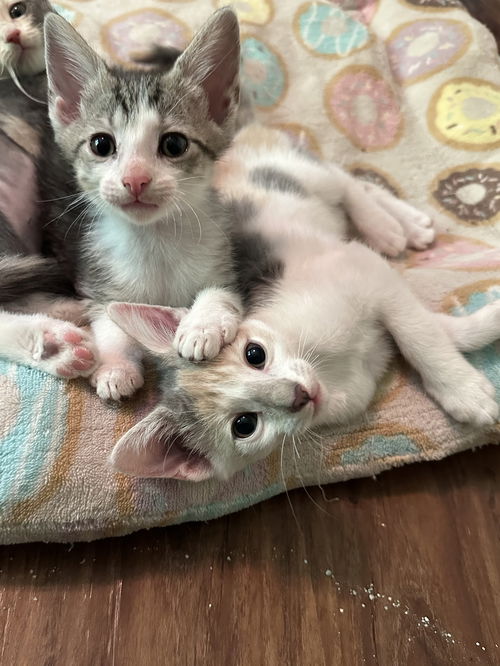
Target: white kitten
[315,343]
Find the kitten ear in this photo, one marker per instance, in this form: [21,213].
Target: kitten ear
[155,448]
[212,60]
[70,64]
[151,325]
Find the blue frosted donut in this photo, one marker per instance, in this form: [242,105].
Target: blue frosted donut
[264,74]
[328,31]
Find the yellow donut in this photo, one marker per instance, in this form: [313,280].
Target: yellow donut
[258,12]
[465,113]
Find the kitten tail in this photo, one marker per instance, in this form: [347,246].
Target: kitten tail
[21,276]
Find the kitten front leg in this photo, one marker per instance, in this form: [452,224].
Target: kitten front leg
[50,345]
[211,323]
[120,373]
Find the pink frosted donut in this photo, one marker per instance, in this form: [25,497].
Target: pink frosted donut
[457,253]
[361,104]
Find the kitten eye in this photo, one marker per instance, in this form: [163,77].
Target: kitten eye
[17,10]
[102,145]
[255,355]
[245,425]
[173,144]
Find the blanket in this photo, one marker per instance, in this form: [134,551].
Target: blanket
[403,93]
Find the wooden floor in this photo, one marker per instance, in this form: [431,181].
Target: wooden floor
[401,571]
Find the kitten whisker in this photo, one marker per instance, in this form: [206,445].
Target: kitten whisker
[284,483]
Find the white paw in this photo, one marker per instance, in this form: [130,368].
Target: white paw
[391,241]
[420,238]
[64,350]
[468,398]
[118,380]
[417,226]
[201,335]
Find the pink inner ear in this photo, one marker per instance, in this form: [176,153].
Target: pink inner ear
[218,87]
[67,111]
[153,326]
[158,457]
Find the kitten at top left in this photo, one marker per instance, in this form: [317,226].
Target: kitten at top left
[21,36]
[29,282]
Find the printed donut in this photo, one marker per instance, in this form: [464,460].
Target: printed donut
[328,31]
[362,106]
[263,73]
[369,174]
[434,4]
[471,193]
[137,30]
[363,10]
[466,114]
[257,12]
[419,49]
[457,253]
[302,136]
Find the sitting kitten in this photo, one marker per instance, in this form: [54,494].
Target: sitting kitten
[313,345]
[147,226]
[28,283]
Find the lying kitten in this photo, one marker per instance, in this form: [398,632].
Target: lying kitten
[147,225]
[28,283]
[314,343]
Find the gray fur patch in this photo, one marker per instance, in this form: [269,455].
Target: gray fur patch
[273,179]
[258,269]
[241,211]
[20,276]
[10,243]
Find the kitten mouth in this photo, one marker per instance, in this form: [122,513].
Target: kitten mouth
[138,206]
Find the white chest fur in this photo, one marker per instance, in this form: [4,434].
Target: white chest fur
[166,263]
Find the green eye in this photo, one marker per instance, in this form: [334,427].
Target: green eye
[173,144]
[245,425]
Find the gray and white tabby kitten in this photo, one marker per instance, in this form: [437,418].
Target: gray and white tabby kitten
[29,281]
[22,121]
[132,152]
[148,226]
[314,343]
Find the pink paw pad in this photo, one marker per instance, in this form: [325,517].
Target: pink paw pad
[67,351]
[64,372]
[73,337]
[84,354]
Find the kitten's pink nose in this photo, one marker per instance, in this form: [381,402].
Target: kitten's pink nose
[14,37]
[302,398]
[136,181]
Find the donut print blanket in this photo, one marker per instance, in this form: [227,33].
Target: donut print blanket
[405,93]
